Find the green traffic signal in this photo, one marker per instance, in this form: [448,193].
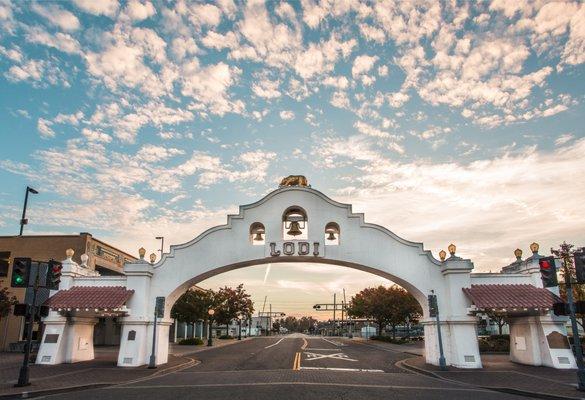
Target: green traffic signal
[20,272]
[19,279]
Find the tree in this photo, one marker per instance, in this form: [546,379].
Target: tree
[232,302]
[565,253]
[386,306]
[499,319]
[6,302]
[193,305]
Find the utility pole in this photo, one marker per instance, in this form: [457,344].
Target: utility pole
[162,244]
[30,318]
[23,220]
[575,328]
[334,307]
[269,320]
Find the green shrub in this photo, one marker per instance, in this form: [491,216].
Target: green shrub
[191,342]
[225,337]
[494,344]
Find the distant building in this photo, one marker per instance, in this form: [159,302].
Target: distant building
[103,258]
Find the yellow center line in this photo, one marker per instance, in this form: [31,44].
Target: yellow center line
[297,362]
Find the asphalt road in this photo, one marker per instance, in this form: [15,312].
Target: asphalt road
[292,367]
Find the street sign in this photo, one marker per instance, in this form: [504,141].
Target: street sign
[160,307]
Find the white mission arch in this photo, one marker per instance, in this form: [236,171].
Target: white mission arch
[363,246]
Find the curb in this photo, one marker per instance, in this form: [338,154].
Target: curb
[525,393]
[47,392]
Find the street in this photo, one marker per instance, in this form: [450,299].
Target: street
[292,367]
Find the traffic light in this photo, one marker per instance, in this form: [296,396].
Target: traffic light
[580,266]
[20,310]
[433,306]
[20,272]
[548,272]
[54,274]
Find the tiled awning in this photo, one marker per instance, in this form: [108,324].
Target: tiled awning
[510,297]
[90,297]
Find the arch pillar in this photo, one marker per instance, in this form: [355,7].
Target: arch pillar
[458,329]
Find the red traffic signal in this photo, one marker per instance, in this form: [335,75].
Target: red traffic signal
[54,275]
[548,271]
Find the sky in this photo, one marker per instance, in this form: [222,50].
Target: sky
[445,121]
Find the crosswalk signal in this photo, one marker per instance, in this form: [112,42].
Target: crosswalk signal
[548,272]
[20,272]
[54,274]
[580,266]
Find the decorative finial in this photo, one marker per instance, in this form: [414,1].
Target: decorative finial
[442,255]
[141,252]
[534,248]
[69,253]
[152,258]
[518,254]
[84,259]
[452,249]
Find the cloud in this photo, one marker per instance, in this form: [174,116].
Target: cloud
[362,64]
[44,128]
[103,7]
[140,10]
[96,136]
[57,16]
[287,115]
[370,130]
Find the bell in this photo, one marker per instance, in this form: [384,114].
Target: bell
[331,236]
[295,229]
[258,236]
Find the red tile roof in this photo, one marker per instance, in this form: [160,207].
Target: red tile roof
[109,297]
[510,296]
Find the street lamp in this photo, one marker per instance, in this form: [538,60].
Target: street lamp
[239,326]
[211,311]
[24,220]
[162,244]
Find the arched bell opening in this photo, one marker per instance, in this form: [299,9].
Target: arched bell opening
[257,234]
[332,234]
[294,224]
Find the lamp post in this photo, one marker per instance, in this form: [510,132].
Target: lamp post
[239,326]
[23,220]
[162,244]
[211,311]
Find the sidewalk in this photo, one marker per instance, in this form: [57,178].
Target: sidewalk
[102,371]
[416,348]
[502,375]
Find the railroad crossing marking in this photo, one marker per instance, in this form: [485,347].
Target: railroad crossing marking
[337,356]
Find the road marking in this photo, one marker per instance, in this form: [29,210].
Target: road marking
[305,344]
[337,356]
[344,369]
[297,362]
[274,344]
[316,349]
[334,343]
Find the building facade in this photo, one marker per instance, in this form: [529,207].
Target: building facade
[104,258]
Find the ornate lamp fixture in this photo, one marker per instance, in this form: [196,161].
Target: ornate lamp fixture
[442,255]
[141,252]
[518,254]
[534,248]
[152,258]
[452,248]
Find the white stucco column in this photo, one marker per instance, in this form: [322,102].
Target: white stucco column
[135,327]
[67,340]
[458,329]
[540,341]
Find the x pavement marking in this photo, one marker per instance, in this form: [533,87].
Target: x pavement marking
[338,356]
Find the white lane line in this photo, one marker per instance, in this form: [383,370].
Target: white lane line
[334,343]
[344,369]
[312,348]
[274,344]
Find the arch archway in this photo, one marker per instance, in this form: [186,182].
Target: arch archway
[366,247]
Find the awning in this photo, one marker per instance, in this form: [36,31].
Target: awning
[511,297]
[108,298]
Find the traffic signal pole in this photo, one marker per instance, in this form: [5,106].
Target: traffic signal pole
[23,376]
[575,328]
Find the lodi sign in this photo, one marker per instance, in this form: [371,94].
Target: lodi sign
[294,248]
